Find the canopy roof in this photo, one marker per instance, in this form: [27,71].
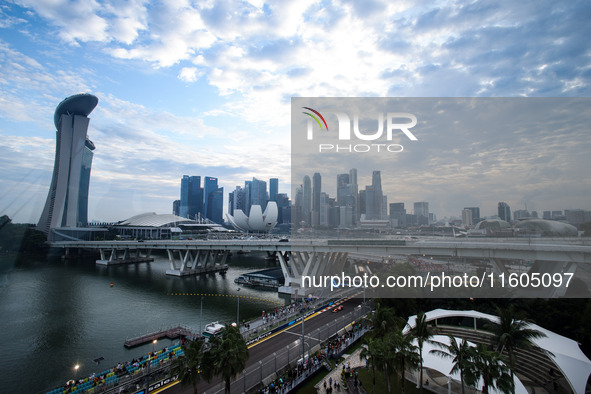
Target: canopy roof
[565,352]
[445,365]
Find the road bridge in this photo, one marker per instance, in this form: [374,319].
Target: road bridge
[301,257]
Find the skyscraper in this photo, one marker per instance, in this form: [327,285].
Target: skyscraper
[316,191]
[67,200]
[343,189]
[258,194]
[374,197]
[191,205]
[467,217]
[273,189]
[210,185]
[504,211]
[354,194]
[195,206]
[238,200]
[421,211]
[307,200]
[397,214]
[215,205]
[475,214]
[184,204]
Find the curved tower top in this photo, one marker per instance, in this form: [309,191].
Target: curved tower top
[78,104]
[67,200]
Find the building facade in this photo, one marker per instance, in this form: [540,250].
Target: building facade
[67,200]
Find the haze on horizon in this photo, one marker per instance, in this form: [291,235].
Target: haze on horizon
[205,89]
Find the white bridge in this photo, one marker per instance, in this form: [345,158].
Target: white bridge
[311,257]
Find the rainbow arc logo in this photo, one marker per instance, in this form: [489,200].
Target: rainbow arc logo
[315,118]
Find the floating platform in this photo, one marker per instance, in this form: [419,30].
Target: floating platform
[222,269]
[171,333]
[272,277]
[132,260]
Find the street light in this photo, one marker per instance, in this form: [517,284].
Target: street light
[149,362]
[238,309]
[76,367]
[201,319]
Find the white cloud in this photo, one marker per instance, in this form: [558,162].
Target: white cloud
[258,55]
[189,74]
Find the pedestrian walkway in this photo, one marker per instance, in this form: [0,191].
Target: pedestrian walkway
[350,361]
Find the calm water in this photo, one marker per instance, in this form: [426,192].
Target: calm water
[54,315]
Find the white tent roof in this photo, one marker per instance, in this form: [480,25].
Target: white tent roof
[565,352]
[445,365]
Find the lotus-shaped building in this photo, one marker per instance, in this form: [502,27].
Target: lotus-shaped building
[257,220]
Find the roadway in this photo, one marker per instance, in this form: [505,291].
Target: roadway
[574,250]
[317,327]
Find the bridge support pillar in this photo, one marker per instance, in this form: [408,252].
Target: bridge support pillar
[184,262]
[296,265]
[115,256]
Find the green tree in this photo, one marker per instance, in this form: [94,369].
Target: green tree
[383,320]
[458,352]
[382,356]
[511,334]
[422,332]
[488,365]
[405,355]
[190,366]
[368,352]
[229,354]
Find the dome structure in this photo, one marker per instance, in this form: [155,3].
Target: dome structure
[545,228]
[257,220]
[492,225]
[152,219]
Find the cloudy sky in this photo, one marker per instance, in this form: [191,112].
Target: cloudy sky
[204,87]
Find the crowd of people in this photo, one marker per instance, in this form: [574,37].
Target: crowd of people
[284,311]
[294,376]
[304,368]
[95,382]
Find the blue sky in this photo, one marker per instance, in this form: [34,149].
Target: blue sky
[204,88]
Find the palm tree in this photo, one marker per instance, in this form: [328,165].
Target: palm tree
[457,352]
[188,365]
[369,352]
[382,356]
[383,320]
[404,354]
[422,333]
[489,366]
[229,354]
[512,334]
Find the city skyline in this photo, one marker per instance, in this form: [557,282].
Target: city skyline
[421,208]
[529,152]
[205,89]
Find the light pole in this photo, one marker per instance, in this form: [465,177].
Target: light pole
[238,309]
[149,362]
[201,319]
[76,367]
[363,299]
[303,337]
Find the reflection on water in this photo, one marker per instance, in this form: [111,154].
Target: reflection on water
[54,314]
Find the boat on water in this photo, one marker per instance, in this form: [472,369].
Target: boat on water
[272,278]
[213,329]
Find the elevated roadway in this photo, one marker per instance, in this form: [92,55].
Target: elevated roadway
[317,257]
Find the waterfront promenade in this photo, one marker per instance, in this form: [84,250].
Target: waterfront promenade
[275,342]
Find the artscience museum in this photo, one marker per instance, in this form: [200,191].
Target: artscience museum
[257,220]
